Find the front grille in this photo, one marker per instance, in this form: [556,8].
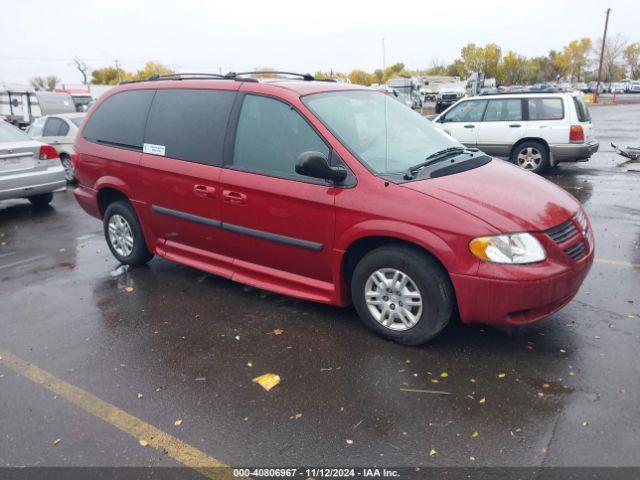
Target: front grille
[562,232]
[576,251]
[449,96]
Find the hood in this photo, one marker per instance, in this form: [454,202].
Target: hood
[503,195]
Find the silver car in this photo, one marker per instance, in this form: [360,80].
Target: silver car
[28,168]
[59,131]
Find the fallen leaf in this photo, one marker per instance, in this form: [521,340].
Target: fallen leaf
[502,375]
[143,442]
[473,380]
[200,379]
[545,385]
[433,452]
[562,350]
[140,395]
[249,364]
[407,361]
[572,374]
[444,374]
[472,458]
[297,415]
[56,441]
[349,441]
[482,400]
[474,435]
[178,422]
[585,424]
[128,289]
[267,381]
[434,380]
[278,331]
[540,394]
[237,337]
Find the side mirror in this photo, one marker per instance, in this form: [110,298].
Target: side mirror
[316,165]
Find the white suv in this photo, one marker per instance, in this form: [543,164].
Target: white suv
[533,130]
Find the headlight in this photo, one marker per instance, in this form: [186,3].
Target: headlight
[509,248]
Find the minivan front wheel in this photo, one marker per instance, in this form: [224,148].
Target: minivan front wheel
[124,235]
[402,294]
[532,156]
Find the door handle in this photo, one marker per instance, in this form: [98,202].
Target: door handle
[234,198]
[469,126]
[515,125]
[204,191]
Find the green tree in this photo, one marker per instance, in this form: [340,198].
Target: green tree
[472,58]
[45,83]
[632,56]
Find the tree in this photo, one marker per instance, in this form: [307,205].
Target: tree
[491,55]
[82,68]
[632,56]
[108,76]
[614,49]
[558,67]
[45,83]
[150,69]
[576,55]
[514,68]
[361,77]
[472,59]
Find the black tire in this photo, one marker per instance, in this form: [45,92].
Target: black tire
[534,148]
[42,200]
[431,280]
[139,254]
[69,172]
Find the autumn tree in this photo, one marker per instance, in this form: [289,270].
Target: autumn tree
[575,55]
[108,76]
[361,77]
[150,69]
[614,49]
[514,68]
[632,57]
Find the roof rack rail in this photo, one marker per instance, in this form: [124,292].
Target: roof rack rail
[178,76]
[235,75]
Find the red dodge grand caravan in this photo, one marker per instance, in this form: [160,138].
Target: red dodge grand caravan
[332,193]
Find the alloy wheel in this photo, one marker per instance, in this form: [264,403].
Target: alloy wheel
[529,158]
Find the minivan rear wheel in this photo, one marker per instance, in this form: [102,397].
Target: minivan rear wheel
[124,235]
[532,156]
[402,294]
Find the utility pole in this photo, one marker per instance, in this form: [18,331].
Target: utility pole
[604,39]
[117,63]
[384,54]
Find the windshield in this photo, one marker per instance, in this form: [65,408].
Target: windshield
[9,133]
[384,134]
[77,121]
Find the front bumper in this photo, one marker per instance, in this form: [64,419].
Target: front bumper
[30,183]
[573,152]
[512,302]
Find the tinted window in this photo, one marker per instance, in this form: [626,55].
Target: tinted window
[271,136]
[120,119]
[466,112]
[190,124]
[77,121]
[581,109]
[503,110]
[545,109]
[54,127]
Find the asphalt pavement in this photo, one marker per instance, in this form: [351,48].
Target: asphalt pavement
[154,367]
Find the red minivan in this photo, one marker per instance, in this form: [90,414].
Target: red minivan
[328,192]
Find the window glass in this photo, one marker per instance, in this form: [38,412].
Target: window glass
[581,109]
[64,128]
[503,110]
[77,121]
[470,111]
[384,134]
[9,133]
[545,109]
[36,129]
[271,136]
[53,126]
[120,119]
[190,124]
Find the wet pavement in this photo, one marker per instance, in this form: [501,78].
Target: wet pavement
[191,343]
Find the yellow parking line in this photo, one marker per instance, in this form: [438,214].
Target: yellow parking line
[156,438]
[619,263]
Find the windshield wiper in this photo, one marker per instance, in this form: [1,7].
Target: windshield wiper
[411,172]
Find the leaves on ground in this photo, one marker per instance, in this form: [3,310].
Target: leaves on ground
[444,374]
[433,452]
[178,422]
[475,435]
[585,424]
[143,442]
[56,441]
[128,289]
[267,381]
[502,375]
[278,331]
[349,441]
[140,395]
[482,400]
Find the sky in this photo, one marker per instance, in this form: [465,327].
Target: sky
[42,37]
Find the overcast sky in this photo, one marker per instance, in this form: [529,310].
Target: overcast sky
[41,37]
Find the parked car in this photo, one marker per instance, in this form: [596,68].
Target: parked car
[535,131]
[634,86]
[60,132]
[321,191]
[448,95]
[581,86]
[21,106]
[28,168]
[618,87]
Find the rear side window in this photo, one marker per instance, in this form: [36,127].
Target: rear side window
[120,119]
[55,127]
[581,109]
[503,110]
[470,111]
[545,109]
[190,124]
[271,136]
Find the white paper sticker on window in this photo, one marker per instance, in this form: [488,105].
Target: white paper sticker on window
[153,149]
